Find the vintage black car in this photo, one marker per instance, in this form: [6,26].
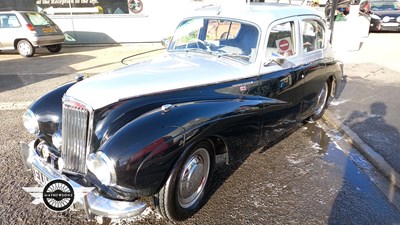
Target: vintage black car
[229,77]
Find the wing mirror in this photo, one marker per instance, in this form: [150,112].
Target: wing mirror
[165,42]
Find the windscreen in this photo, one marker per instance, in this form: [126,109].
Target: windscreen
[228,38]
[38,19]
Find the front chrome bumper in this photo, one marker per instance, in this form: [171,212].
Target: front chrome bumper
[92,203]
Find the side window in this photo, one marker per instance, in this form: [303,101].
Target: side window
[9,21]
[313,35]
[282,40]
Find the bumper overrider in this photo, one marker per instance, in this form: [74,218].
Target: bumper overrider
[92,203]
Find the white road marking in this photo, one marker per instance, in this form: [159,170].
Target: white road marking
[14,105]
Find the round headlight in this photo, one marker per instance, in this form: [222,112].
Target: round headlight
[398,19]
[102,167]
[386,19]
[30,122]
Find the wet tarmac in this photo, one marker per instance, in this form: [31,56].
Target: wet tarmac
[305,178]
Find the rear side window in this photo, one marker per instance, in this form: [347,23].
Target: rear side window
[38,19]
[313,34]
[9,21]
[282,40]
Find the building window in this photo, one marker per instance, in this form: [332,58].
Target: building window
[59,7]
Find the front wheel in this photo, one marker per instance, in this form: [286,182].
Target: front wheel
[54,48]
[183,193]
[322,102]
[25,48]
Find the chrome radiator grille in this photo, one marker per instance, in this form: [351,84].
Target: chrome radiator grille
[74,138]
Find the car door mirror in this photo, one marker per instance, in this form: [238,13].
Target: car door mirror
[165,42]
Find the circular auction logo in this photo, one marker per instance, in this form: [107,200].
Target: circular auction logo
[58,195]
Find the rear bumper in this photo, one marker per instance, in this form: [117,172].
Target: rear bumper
[47,40]
[93,204]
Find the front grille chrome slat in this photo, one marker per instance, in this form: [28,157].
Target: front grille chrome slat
[74,138]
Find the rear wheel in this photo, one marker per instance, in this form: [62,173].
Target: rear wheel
[183,193]
[322,102]
[25,48]
[54,48]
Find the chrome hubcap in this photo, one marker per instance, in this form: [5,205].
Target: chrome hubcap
[24,48]
[322,98]
[193,178]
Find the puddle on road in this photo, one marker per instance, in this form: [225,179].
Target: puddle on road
[326,146]
[324,143]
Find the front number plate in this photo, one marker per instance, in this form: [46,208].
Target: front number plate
[390,24]
[40,177]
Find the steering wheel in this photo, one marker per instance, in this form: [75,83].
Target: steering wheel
[200,44]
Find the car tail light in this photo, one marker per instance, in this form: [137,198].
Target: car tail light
[30,27]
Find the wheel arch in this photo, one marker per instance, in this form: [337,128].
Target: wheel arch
[220,148]
[18,40]
[332,86]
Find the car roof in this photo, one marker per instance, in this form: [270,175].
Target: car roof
[262,14]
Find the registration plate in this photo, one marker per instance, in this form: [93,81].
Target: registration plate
[40,177]
[48,30]
[390,24]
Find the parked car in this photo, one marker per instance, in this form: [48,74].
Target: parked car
[25,31]
[385,15]
[229,79]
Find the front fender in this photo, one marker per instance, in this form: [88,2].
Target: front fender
[146,149]
[48,110]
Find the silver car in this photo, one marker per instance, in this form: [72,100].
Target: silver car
[25,31]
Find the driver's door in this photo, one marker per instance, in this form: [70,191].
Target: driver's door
[281,81]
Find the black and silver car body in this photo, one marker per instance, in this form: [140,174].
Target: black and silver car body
[25,31]
[385,15]
[229,80]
